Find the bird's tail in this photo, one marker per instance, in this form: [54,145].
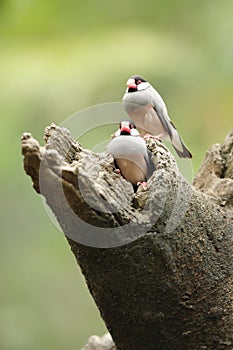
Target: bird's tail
[179,147]
[184,153]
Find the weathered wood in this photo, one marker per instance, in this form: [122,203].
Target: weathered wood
[158,263]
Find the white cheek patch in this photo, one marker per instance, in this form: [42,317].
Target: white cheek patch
[134,132]
[143,86]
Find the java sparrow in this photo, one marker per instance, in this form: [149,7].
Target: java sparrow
[130,154]
[148,111]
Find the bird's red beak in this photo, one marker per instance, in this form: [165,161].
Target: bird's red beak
[125,130]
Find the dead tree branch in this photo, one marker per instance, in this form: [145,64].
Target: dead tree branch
[158,263]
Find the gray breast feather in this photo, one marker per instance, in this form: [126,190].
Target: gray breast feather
[127,146]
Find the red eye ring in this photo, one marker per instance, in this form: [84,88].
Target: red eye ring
[138,82]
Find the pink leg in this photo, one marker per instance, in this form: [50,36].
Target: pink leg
[118,171]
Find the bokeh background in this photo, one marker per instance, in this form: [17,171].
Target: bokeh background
[56,58]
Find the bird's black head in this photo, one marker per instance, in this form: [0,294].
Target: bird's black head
[138,79]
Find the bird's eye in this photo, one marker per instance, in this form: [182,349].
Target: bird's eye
[138,82]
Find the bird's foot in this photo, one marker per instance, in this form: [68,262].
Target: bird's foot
[143,184]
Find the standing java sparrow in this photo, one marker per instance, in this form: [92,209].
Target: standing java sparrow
[148,111]
[130,154]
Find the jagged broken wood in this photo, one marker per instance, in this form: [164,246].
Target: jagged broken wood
[158,263]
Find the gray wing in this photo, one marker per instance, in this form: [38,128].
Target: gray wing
[161,111]
[165,123]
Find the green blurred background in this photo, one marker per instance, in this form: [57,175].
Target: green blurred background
[58,57]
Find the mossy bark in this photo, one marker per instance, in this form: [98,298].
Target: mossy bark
[158,263]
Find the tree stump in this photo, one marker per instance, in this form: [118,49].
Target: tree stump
[158,263]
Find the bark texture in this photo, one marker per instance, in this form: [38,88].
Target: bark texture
[158,263]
